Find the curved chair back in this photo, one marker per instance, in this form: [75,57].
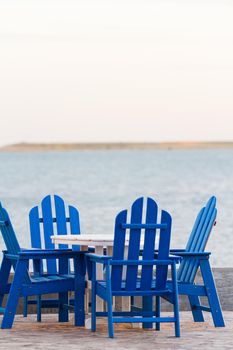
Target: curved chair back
[197,241]
[52,220]
[8,233]
[141,246]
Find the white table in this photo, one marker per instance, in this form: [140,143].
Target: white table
[99,242]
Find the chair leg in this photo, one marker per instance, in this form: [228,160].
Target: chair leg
[79,294]
[93,308]
[109,302]
[14,294]
[176,301]
[38,308]
[25,306]
[197,313]
[63,311]
[132,300]
[212,295]
[110,317]
[158,308]
[4,275]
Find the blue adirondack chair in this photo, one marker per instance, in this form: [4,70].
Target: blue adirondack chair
[53,220]
[23,285]
[146,282]
[195,258]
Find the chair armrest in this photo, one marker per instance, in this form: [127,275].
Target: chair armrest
[49,254]
[193,255]
[176,250]
[102,259]
[175,257]
[172,251]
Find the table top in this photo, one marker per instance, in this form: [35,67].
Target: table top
[85,239]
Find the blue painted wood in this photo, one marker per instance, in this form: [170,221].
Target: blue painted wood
[148,254]
[60,218]
[149,244]
[163,252]
[175,299]
[93,297]
[34,223]
[46,207]
[194,302]
[23,285]
[212,295]
[144,284]
[109,301]
[74,223]
[194,258]
[118,249]
[47,224]
[12,301]
[134,244]
[4,276]
[79,290]
[63,297]
[198,240]
[8,233]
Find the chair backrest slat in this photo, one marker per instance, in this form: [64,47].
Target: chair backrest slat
[163,251]
[149,244]
[118,249]
[198,240]
[74,223]
[46,207]
[34,223]
[134,244]
[60,218]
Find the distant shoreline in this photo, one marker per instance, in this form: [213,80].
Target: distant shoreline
[38,147]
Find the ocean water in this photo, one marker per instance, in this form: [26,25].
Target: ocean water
[101,183]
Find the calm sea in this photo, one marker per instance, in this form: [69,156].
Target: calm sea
[101,183]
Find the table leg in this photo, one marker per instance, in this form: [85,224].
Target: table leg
[99,250]
[85,248]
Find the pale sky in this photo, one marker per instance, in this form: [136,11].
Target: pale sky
[122,70]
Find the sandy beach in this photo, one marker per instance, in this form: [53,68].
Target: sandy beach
[33,147]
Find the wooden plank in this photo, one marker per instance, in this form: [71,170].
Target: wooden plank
[163,253]
[118,249]
[48,231]
[34,223]
[134,244]
[74,224]
[149,244]
[60,218]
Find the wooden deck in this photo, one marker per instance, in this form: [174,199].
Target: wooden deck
[28,334]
